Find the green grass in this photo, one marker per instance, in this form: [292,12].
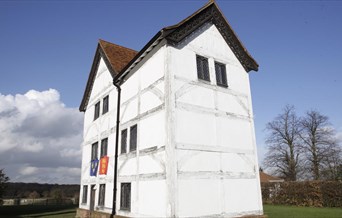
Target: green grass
[273,211]
[279,211]
[47,211]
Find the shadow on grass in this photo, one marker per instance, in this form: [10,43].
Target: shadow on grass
[50,214]
[35,210]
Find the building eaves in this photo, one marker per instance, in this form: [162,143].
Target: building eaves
[210,12]
[116,58]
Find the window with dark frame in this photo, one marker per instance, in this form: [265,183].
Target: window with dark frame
[105,104]
[133,138]
[221,75]
[97,110]
[94,148]
[202,68]
[85,194]
[104,147]
[123,141]
[102,193]
[125,198]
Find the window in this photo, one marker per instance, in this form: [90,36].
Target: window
[123,141]
[105,104]
[125,199]
[102,193]
[85,194]
[97,110]
[133,138]
[221,75]
[104,146]
[94,148]
[202,68]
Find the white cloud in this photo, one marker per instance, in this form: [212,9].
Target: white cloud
[27,170]
[40,138]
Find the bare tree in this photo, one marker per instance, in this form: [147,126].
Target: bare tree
[323,153]
[283,144]
[3,182]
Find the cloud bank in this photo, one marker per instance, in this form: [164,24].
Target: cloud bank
[40,138]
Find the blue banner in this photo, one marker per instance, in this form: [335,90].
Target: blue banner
[94,165]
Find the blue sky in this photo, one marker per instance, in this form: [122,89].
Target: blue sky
[48,46]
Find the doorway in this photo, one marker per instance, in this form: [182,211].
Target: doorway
[92,198]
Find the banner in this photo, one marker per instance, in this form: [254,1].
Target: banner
[104,165]
[93,167]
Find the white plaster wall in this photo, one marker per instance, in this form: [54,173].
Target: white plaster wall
[243,201]
[152,198]
[142,103]
[199,197]
[95,131]
[214,131]
[152,131]
[195,128]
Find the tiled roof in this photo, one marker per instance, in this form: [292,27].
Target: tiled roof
[118,56]
[121,60]
[268,178]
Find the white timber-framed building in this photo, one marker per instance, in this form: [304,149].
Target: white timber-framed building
[182,109]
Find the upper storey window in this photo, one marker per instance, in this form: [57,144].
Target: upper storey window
[133,138]
[105,104]
[202,68]
[94,148]
[104,147]
[123,141]
[221,75]
[97,110]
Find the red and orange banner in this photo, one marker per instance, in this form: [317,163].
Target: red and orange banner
[104,165]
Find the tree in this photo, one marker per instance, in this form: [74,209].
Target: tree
[323,153]
[34,195]
[3,182]
[283,143]
[58,194]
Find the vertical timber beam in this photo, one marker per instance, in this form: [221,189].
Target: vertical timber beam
[256,165]
[170,148]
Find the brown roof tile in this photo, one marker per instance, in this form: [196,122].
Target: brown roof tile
[268,178]
[118,56]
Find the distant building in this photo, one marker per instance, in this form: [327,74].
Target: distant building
[186,142]
[264,177]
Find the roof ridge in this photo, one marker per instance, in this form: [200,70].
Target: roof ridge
[101,40]
[210,2]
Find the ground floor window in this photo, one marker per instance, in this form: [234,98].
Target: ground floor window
[85,194]
[102,193]
[125,200]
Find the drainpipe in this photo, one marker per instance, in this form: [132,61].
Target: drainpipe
[116,149]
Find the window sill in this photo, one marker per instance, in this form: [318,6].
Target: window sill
[223,86]
[204,81]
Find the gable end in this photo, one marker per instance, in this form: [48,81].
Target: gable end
[211,13]
[115,57]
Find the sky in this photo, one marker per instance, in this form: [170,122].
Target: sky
[47,48]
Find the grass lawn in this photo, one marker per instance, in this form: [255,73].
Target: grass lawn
[273,211]
[279,211]
[51,211]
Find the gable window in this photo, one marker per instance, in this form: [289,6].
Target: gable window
[104,147]
[221,75]
[85,194]
[102,193]
[105,104]
[97,110]
[94,148]
[123,141]
[133,138]
[125,199]
[202,68]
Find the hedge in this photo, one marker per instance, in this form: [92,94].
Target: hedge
[308,193]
